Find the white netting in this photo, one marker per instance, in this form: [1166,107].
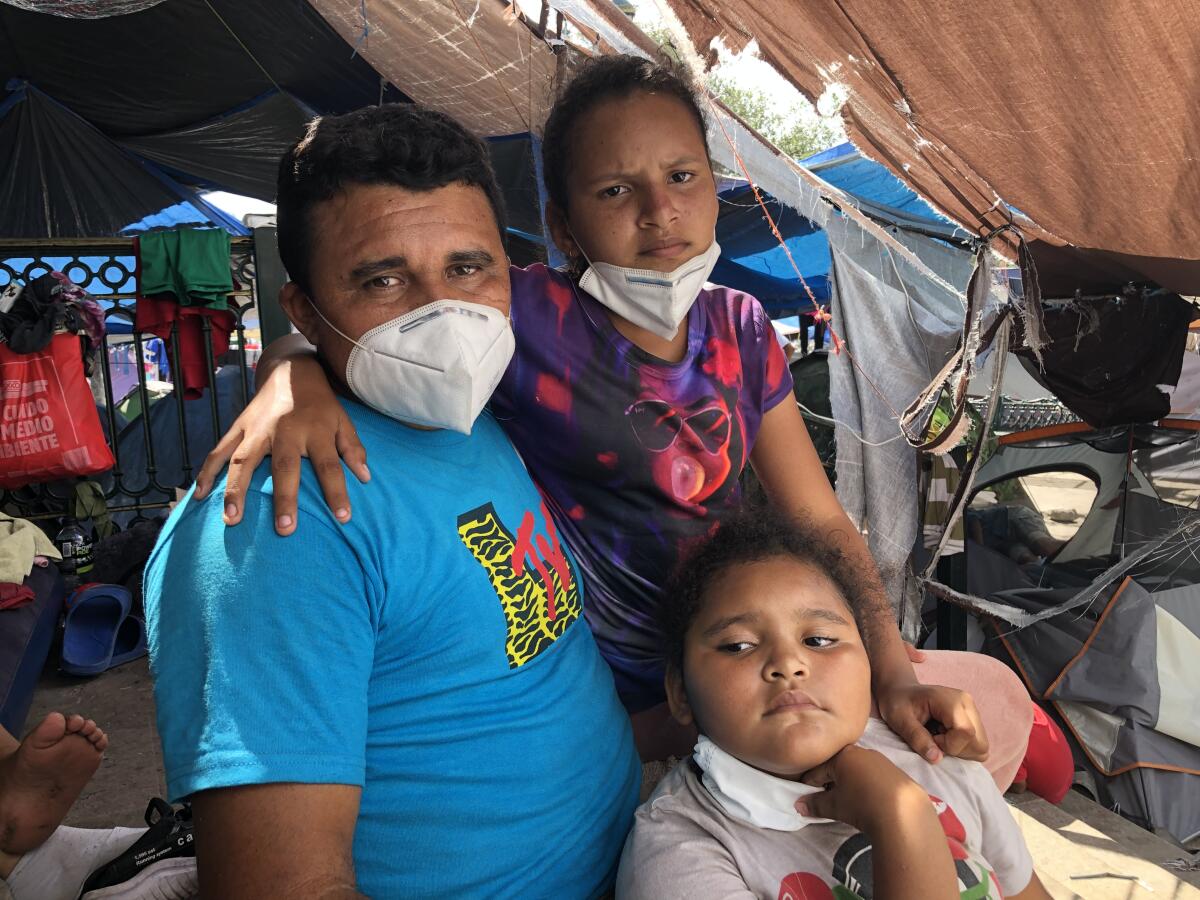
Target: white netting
[84,9]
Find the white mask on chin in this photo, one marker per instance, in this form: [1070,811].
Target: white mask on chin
[436,366]
[656,301]
[749,794]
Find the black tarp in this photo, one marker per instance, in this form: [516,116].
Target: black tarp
[59,177]
[184,62]
[237,152]
[108,121]
[1107,357]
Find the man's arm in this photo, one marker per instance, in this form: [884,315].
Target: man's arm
[790,471]
[277,840]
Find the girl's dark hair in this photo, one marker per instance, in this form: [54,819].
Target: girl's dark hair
[402,144]
[755,534]
[598,80]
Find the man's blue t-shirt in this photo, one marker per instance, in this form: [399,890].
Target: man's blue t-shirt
[431,650]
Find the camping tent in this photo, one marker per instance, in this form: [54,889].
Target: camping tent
[1118,671]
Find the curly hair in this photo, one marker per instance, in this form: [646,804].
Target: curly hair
[757,533]
[402,144]
[599,80]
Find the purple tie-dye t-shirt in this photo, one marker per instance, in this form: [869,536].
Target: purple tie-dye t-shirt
[637,457]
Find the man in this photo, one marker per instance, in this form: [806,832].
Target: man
[408,704]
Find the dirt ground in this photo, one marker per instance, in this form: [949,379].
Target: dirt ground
[122,703]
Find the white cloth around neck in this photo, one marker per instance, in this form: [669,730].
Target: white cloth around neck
[749,794]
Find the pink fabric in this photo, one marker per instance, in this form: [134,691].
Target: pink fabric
[1002,701]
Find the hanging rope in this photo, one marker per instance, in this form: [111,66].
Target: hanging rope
[819,312]
[242,44]
[366,28]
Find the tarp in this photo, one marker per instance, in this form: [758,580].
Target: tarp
[238,151]
[752,259]
[472,60]
[60,177]
[184,62]
[1082,115]
[900,331]
[84,9]
[113,124]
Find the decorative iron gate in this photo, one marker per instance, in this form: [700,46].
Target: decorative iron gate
[139,481]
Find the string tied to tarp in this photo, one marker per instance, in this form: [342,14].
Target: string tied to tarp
[366,28]
[819,312]
[825,317]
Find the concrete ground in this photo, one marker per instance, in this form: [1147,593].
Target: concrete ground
[1081,851]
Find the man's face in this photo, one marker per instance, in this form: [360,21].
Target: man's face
[380,251]
[774,670]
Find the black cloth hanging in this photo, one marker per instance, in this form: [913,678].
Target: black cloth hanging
[1107,356]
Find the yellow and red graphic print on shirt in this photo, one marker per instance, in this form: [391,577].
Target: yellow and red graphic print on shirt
[531,574]
[853,872]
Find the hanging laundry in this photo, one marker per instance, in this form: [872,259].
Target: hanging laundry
[183,278]
[91,315]
[190,263]
[47,304]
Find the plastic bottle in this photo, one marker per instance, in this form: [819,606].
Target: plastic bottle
[75,546]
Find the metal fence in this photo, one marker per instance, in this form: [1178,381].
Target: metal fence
[151,463]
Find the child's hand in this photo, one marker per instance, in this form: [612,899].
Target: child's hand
[908,707]
[864,789]
[295,413]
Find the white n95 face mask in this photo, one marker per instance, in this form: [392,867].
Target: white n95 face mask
[436,366]
[656,301]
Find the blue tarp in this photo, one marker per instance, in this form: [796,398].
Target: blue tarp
[752,259]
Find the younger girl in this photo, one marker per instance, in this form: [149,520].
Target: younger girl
[637,395]
[764,656]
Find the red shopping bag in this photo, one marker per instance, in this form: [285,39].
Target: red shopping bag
[49,427]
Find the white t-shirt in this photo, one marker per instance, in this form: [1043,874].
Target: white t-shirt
[685,845]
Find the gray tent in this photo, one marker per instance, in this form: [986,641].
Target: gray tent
[1119,671]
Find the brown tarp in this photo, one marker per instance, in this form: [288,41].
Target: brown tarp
[468,58]
[1083,115]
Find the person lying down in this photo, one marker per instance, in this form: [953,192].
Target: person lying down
[795,789]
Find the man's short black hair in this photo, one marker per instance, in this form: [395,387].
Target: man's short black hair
[757,533]
[403,144]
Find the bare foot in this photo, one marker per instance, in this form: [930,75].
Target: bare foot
[41,778]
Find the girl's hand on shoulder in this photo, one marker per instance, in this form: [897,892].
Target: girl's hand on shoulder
[295,413]
[910,708]
[864,789]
